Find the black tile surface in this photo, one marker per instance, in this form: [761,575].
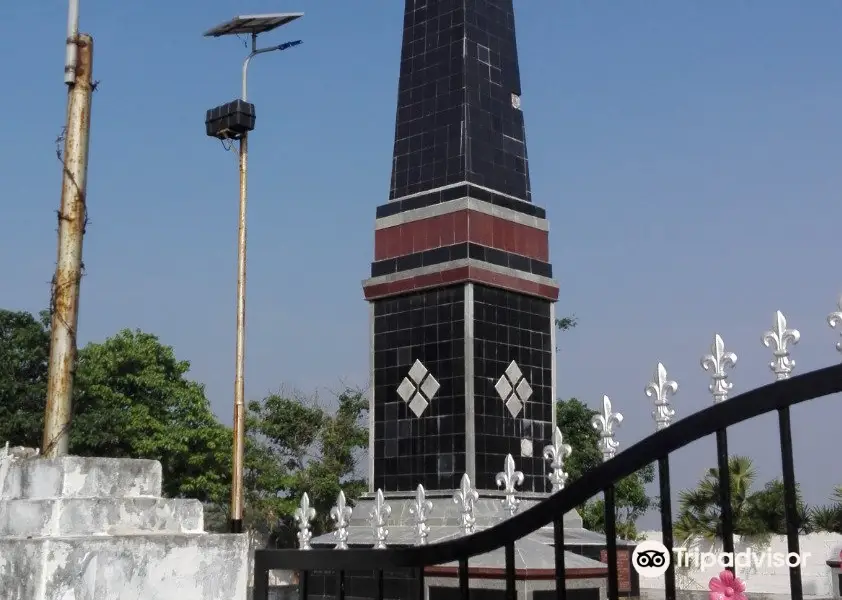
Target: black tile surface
[445,254]
[510,326]
[430,449]
[457,117]
[398,584]
[459,191]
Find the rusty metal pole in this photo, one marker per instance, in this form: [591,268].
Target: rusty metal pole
[237,491]
[237,498]
[64,304]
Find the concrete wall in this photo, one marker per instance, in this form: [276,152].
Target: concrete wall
[76,528]
[769,583]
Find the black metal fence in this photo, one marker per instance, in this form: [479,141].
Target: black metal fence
[779,396]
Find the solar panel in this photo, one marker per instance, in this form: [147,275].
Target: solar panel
[252,24]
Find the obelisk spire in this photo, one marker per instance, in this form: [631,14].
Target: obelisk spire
[461,286]
[458,117]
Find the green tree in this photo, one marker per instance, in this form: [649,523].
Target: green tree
[755,513]
[318,450]
[24,354]
[566,323]
[133,400]
[264,478]
[574,420]
[630,503]
[767,509]
[829,517]
[630,500]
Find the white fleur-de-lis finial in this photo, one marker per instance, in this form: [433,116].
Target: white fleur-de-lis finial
[304,514]
[509,479]
[341,514]
[466,496]
[779,339]
[661,388]
[716,362]
[604,423]
[834,319]
[556,453]
[420,509]
[379,517]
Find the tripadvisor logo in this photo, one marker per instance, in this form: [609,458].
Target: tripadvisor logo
[652,559]
[747,558]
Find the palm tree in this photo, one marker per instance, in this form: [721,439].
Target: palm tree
[828,518]
[754,512]
[767,509]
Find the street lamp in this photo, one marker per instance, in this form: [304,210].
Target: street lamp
[233,121]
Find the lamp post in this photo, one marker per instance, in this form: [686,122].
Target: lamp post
[234,121]
[72,218]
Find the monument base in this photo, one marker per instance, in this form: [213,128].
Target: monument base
[98,529]
[586,577]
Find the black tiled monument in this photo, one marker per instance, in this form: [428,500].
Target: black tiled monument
[458,100]
[462,306]
[461,291]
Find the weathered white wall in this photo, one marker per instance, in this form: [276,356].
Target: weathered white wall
[154,567]
[773,582]
[97,529]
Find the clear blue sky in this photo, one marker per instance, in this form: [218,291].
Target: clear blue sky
[687,153]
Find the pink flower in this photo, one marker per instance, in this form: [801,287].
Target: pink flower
[726,587]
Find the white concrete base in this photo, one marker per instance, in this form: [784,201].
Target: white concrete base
[76,528]
[78,477]
[154,567]
[65,517]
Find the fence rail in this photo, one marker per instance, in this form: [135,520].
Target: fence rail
[779,396]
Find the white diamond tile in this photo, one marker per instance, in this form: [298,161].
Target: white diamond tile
[514,405]
[430,386]
[524,390]
[406,389]
[513,372]
[417,372]
[526,448]
[503,387]
[418,404]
